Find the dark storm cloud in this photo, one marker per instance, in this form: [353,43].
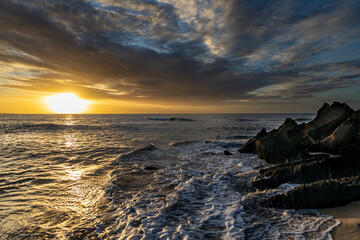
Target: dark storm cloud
[181,51]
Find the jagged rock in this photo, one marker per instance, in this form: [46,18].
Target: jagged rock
[151,168]
[325,181]
[304,171]
[227,153]
[344,134]
[278,146]
[250,146]
[312,169]
[291,141]
[327,119]
[320,194]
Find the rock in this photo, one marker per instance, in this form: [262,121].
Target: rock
[278,146]
[320,194]
[345,133]
[313,169]
[150,168]
[327,119]
[250,146]
[351,151]
[357,139]
[181,119]
[324,181]
[305,171]
[291,141]
[227,153]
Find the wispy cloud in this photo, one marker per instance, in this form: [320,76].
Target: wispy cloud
[181,51]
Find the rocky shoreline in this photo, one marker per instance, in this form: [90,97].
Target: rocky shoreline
[329,178]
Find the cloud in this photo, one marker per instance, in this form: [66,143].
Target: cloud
[180,51]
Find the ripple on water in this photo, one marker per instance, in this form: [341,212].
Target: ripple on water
[62,177]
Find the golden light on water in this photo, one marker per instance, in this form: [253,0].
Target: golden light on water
[67,103]
[74,174]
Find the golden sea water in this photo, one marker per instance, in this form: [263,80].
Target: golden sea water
[139,177]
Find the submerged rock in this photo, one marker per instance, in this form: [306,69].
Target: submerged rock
[151,168]
[181,119]
[227,153]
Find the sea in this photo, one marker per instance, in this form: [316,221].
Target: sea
[152,176]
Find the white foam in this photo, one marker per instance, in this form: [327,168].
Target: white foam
[194,195]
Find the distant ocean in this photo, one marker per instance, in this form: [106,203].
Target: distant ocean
[141,177]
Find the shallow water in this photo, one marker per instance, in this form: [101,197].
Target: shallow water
[98,176]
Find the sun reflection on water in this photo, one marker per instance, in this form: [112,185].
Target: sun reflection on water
[74,175]
[70,141]
[69,120]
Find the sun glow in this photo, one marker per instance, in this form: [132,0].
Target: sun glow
[67,103]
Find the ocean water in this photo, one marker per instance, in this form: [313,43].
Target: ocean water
[141,177]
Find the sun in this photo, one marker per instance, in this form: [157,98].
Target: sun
[66,103]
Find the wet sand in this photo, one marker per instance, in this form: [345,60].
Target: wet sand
[349,215]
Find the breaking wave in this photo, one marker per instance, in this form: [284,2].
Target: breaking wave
[27,127]
[99,177]
[190,191]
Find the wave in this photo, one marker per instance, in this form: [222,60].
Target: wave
[132,154]
[240,128]
[225,144]
[22,127]
[303,119]
[239,137]
[196,196]
[246,120]
[182,143]
[170,119]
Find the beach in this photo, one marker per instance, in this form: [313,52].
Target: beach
[349,215]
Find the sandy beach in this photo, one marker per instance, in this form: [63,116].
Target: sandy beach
[349,215]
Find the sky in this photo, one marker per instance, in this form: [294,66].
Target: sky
[180,56]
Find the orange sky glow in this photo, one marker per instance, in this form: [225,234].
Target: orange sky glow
[179,56]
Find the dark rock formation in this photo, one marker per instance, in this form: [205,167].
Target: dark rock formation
[324,181]
[278,145]
[320,194]
[226,152]
[343,135]
[151,168]
[181,119]
[331,129]
[312,169]
[327,119]
[250,146]
[304,171]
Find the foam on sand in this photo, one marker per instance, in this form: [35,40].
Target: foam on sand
[349,216]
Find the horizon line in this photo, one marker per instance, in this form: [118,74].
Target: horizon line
[153,113]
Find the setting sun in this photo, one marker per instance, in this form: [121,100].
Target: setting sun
[66,103]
